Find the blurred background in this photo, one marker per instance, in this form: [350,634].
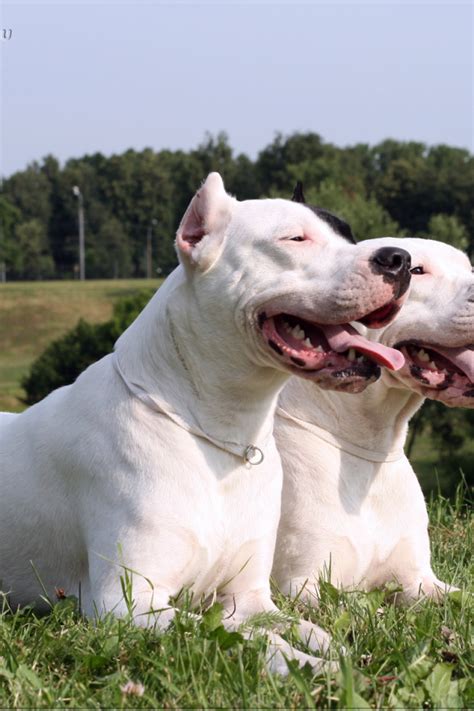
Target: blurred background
[113,113]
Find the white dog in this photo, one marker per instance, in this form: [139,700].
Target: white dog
[160,460]
[352,506]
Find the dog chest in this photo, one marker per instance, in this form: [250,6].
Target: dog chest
[391,517]
[241,514]
[226,515]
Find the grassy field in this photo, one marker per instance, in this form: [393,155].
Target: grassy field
[419,656]
[32,314]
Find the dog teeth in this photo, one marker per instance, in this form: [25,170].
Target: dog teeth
[360,359]
[351,355]
[298,333]
[432,365]
[423,355]
[318,349]
[307,343]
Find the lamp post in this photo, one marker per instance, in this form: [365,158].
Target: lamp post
[149,236]
[82,260]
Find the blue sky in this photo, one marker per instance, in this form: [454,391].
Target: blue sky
[84,77]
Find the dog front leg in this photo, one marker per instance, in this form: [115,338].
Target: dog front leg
[432,588]
[148,606]
[241,607]
[140,578]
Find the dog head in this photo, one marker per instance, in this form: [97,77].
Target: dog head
[435,330]
[289,281]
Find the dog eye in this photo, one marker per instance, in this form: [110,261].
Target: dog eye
[298,238]
[417,270]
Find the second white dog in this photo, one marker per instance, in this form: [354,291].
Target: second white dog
[352,506]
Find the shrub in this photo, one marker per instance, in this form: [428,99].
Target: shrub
[68,356]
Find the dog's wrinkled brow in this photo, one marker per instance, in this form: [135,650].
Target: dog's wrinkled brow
[338,226]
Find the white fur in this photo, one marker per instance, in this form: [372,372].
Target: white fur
[352,506]
[94,479]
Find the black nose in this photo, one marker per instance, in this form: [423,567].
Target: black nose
[392,260]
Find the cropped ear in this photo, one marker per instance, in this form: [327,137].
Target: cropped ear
[298,195]
[201,233]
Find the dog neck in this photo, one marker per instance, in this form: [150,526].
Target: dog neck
[175,355]
[375,421]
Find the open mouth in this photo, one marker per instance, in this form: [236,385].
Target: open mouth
[382,316]
[320,351]
[440,368]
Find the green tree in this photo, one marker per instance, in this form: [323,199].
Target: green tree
[29,191]
[404,190]
[389,150]
[414,183]
[33,260]
[449,229]
[215,153]
[137,189]
[109,253]
[9,217]
[273,161]
[391,188]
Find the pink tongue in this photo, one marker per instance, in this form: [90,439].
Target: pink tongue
[341,338]
[462,357]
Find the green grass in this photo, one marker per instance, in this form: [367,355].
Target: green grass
[413,657]
[32,314]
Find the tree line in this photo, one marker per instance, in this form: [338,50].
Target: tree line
[392,188]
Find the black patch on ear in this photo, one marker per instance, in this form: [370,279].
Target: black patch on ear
[338,226]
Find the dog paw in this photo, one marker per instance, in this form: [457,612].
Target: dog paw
[314,637]
[279,653]
[277,662]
